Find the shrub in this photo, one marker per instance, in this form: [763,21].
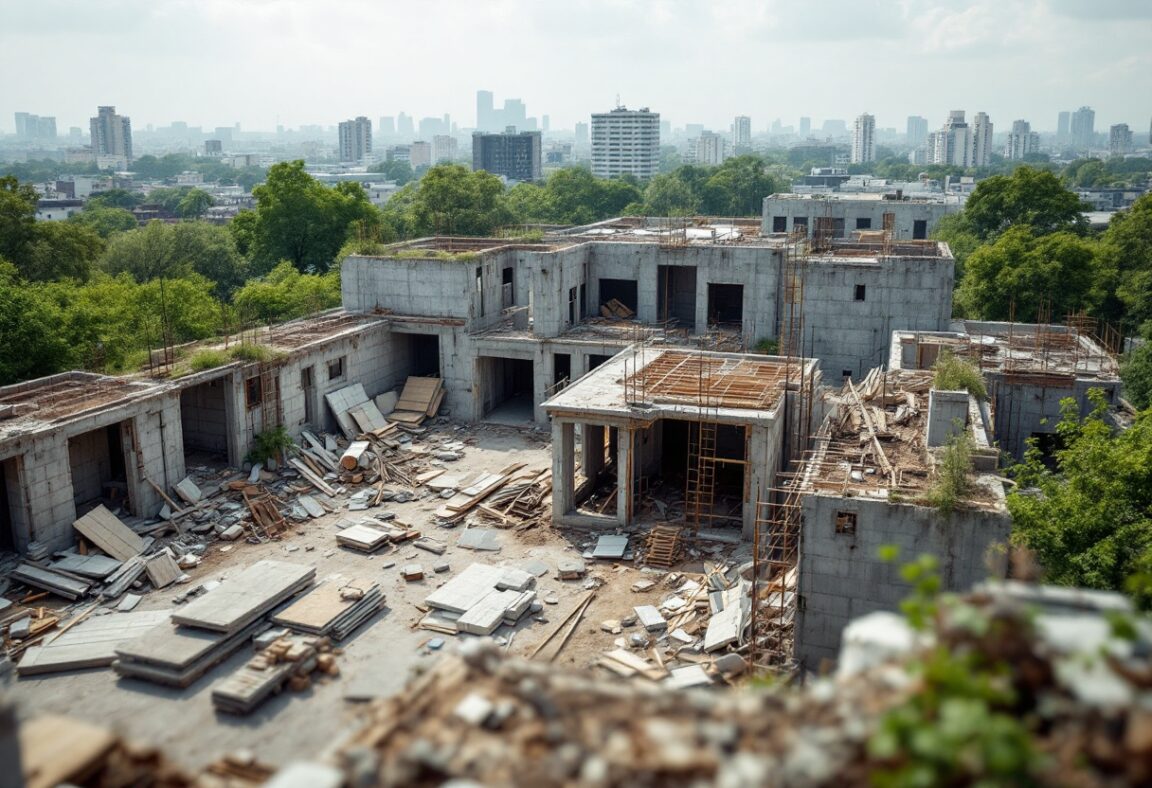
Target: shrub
[956,374]
[250,351]
[769,347]
[270,444]
[952,473]
[208,358]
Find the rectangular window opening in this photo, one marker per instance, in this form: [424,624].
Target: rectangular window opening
[860,289]
[253,392]
[863,223]
[336,369]
[846,523]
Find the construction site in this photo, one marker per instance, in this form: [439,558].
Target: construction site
[648,457]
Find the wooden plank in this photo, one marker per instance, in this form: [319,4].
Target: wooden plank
[247,596]
[94,565]
[418,394]
[105,530]
[321,607]
[59,584]
[162,569]
[91,644]
[311,477]
[367,416]
[61,750]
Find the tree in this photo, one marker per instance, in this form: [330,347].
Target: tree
[161,250]
[18,203]
[451,200]
[668,195]
[1126,260]
[61,250]
[302,220]
[1136,372]
[114,198]
[956,231]
[397,170]
[1089,521]
[285,293]
[738,188]
[168,198]
[195,204]
[1027,197]
[33,345]
[105,220]
[1022,270]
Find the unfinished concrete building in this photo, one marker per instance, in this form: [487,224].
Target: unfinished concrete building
[506,323]
[867,484]
[712,425]
[1029,369]
[837,215]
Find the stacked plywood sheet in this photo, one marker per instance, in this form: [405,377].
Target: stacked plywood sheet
[287,660]
[334,608]
[177,656]
[67,586]
[245,598]
[90,644]
[365,538]
[419,400]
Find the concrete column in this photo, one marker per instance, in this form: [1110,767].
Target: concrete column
[624,461]
[593,449]
[563,467]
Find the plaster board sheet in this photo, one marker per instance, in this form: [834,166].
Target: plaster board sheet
[367,416]
[311,505]
[484,617]
[89,644]
[340,401]
[650,618]
[94,566]
[479,539]
[688,676]
[466,589]
[610,546]
[245,597]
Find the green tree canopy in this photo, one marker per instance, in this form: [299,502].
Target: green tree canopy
[178,250]
[1026,271]
[1027,197]
[195,204]
[105,220]
[286,293]
[1136,372]
[114,198]
[450,200]
[18,203]
[397,170]
[738,188]
[33,345]
[1126,262]
[297,218]
[1089,521]
[62,250]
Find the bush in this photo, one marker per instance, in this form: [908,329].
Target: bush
[956,374]
[952,473]
[769,347]
[209,358]
[270,444]
[250,351]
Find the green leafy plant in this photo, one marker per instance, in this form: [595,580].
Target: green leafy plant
[271,444]
[250,351]
[956,374]
[768,347]
[952,473]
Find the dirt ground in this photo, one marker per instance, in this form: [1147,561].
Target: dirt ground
[379,656]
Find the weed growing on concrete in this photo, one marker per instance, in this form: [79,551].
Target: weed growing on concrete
[271,444]
[952,471]
[957,374]
[208,358]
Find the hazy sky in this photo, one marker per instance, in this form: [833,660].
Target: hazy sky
[259,62]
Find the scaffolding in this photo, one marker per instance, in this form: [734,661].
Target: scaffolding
[700,483]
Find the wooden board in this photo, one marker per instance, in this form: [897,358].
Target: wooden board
[95,565]
[61,750]
[340,401]
[242,599]
[367,416]
[162,570]
[105,530]
[418,394]
[320,607]
[90,644]
[64,586]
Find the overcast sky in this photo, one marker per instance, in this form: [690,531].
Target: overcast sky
[262,62]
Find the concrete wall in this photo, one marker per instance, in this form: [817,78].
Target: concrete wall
[841,576]
[430,287]
[204,417]
[1025,407]
[849,210]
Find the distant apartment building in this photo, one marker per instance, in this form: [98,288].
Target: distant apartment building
[581,136]
[1083,128]
[981,140]
[952,144]
[444,148]
[864,139]
[37,128]
[626,141]
[805,126]
[213,147]
[398,153]
[1063,128]
[356,140]
[742,132]
[1021,141]
[839,215]
[420,154]
[917,131]
[1119,139]
[514,155]
[111,136]
[387,126]
[709,149]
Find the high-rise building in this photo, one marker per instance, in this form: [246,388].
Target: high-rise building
[709,149]
[420,154]
[444,148]
[953,143]
[916,131]
[981,140]
[387,126]
[582,134]
[805,126]
[516,156]
[405,126]
[484,109]
[35,127]
[1063,127]
[742,132]
[1021,141]
[864,139]
[1082,129]
[626,141]
[356,140]
[111,134]
[1119,139]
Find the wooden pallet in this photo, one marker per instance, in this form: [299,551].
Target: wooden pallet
[664,546]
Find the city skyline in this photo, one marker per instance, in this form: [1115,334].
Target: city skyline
[923,57]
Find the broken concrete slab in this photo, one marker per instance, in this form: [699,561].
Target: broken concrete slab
[610,546]
[570,568]
[650,618]
[479,539]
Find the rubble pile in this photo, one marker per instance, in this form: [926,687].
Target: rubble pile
[485,718]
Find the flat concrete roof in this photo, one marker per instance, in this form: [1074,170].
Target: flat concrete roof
[45,402]
[889,196]
[644,383]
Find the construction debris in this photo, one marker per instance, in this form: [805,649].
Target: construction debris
[330,609]
[290,661]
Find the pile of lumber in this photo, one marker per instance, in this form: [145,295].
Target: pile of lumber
[420,399]
[477,492]
[333,608]
[522,503]
[370,535]
[286,661]
[267,521]
[479,599]
[615,309]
